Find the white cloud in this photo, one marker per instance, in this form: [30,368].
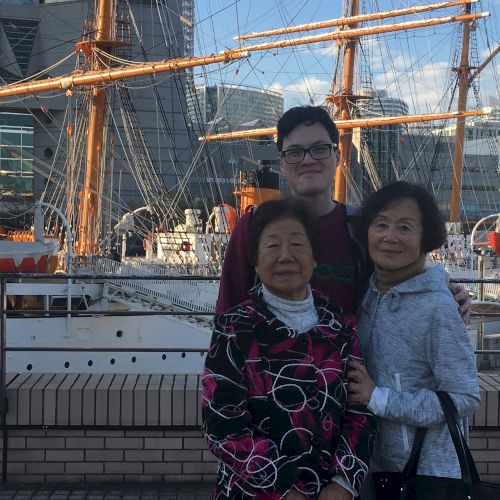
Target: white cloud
[276,86]
[422,89]
[310,90]
[374,50]
[330,50]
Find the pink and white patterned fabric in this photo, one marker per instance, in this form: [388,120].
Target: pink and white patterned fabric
[274,404]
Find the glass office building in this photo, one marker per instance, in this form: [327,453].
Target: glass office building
[16,156]
[236,105]
[383,142]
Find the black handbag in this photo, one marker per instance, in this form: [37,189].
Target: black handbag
[408,485]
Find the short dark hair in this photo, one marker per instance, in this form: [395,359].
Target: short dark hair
[305,115]
[433,225]
[273,210]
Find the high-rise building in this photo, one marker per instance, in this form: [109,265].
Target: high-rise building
[428,158]
[424,155]
[475,129]
[221,108]
[16,156]
[380,145]
[235,106]
[37,36]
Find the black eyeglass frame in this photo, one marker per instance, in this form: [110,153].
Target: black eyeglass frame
[331,146]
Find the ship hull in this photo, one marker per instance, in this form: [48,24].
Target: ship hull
[86,341]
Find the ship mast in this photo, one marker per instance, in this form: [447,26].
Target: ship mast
[344,106]
[352,123]
[88,231]
[108,75]
[101,74]
[458,156]
[352,20]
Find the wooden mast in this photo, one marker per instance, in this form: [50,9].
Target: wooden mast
[88,232]
[344,106]
[458,156]
[100,74]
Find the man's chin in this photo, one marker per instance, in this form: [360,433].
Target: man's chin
[311,191]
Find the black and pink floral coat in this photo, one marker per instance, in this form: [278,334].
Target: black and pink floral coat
[274,404]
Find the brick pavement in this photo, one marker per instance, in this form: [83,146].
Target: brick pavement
[115,491]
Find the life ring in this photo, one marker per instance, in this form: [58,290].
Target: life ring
[185,246]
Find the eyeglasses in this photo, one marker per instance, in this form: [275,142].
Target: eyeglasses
[318,152]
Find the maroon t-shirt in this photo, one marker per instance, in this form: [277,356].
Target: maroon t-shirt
[335,275]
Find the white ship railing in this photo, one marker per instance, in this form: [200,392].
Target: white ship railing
[491,290]
[187,294]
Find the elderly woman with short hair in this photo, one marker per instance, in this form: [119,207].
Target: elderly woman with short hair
[412,337]
[274,399]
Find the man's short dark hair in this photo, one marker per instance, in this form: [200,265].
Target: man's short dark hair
[305,115]
[274,210]
[433,225]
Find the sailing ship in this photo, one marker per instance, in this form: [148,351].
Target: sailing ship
[178,238]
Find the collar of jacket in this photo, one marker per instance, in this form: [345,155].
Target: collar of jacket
[267,325]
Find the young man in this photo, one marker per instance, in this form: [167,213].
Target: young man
[308,146]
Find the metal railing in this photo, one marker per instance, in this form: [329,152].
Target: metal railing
[179,309]
[143,282]
[191,294]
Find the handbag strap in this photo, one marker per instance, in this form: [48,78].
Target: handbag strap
[411,466]
[467,465]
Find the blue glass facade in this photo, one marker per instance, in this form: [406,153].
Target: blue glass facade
[16,156]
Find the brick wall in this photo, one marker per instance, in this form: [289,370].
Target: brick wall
[63,428]
[485,429]
[485,448]
[90,455]
[68,455]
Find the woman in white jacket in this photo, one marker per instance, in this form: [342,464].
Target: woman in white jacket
[412,337]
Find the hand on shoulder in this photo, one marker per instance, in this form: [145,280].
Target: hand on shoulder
[462,298]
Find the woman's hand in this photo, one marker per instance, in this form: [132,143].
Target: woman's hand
[334,492]
[294,495]
[462,297]
[361,385]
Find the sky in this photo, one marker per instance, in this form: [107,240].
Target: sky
[415,66]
